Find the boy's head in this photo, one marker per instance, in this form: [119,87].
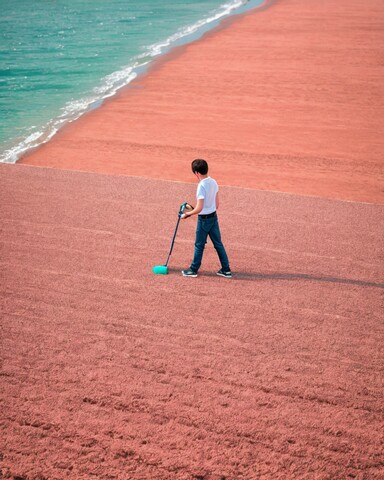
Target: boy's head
[200,166]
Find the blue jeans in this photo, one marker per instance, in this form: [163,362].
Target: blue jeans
[205,227]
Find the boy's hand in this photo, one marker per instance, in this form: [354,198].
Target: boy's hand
[188,208]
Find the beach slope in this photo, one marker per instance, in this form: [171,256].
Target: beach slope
[286,98]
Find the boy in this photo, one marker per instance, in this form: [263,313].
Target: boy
[207,223]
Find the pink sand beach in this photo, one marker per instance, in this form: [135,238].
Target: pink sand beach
[111,372]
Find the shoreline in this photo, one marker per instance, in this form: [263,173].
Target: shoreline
[292,123]
[56,125]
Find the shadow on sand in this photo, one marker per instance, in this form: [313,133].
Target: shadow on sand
[304,276]
[253,276]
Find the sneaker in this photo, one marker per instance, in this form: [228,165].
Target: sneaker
[224,274]
[189,273]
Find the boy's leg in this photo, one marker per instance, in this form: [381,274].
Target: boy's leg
[201,240]
[215,236]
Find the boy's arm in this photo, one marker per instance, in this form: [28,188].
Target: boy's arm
[196,210]
[217,201]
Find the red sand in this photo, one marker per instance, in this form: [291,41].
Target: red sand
[109,371]
[288,98]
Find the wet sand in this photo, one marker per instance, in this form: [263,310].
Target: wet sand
[286,98]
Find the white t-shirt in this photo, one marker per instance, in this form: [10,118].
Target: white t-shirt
[207,190]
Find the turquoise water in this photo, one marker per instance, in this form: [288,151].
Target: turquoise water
[59,59]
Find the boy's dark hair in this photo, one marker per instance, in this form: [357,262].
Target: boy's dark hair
[200,166]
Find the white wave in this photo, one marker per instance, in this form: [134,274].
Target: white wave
[116,80]
[224,10]
[70,112]
[32,141]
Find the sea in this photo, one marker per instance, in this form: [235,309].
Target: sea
[62,58]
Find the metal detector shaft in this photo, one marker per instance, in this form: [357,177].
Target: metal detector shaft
[182,208]
[173,242]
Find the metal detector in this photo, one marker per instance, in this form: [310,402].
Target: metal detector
[163,269]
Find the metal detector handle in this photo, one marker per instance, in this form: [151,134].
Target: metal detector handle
[182,208]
